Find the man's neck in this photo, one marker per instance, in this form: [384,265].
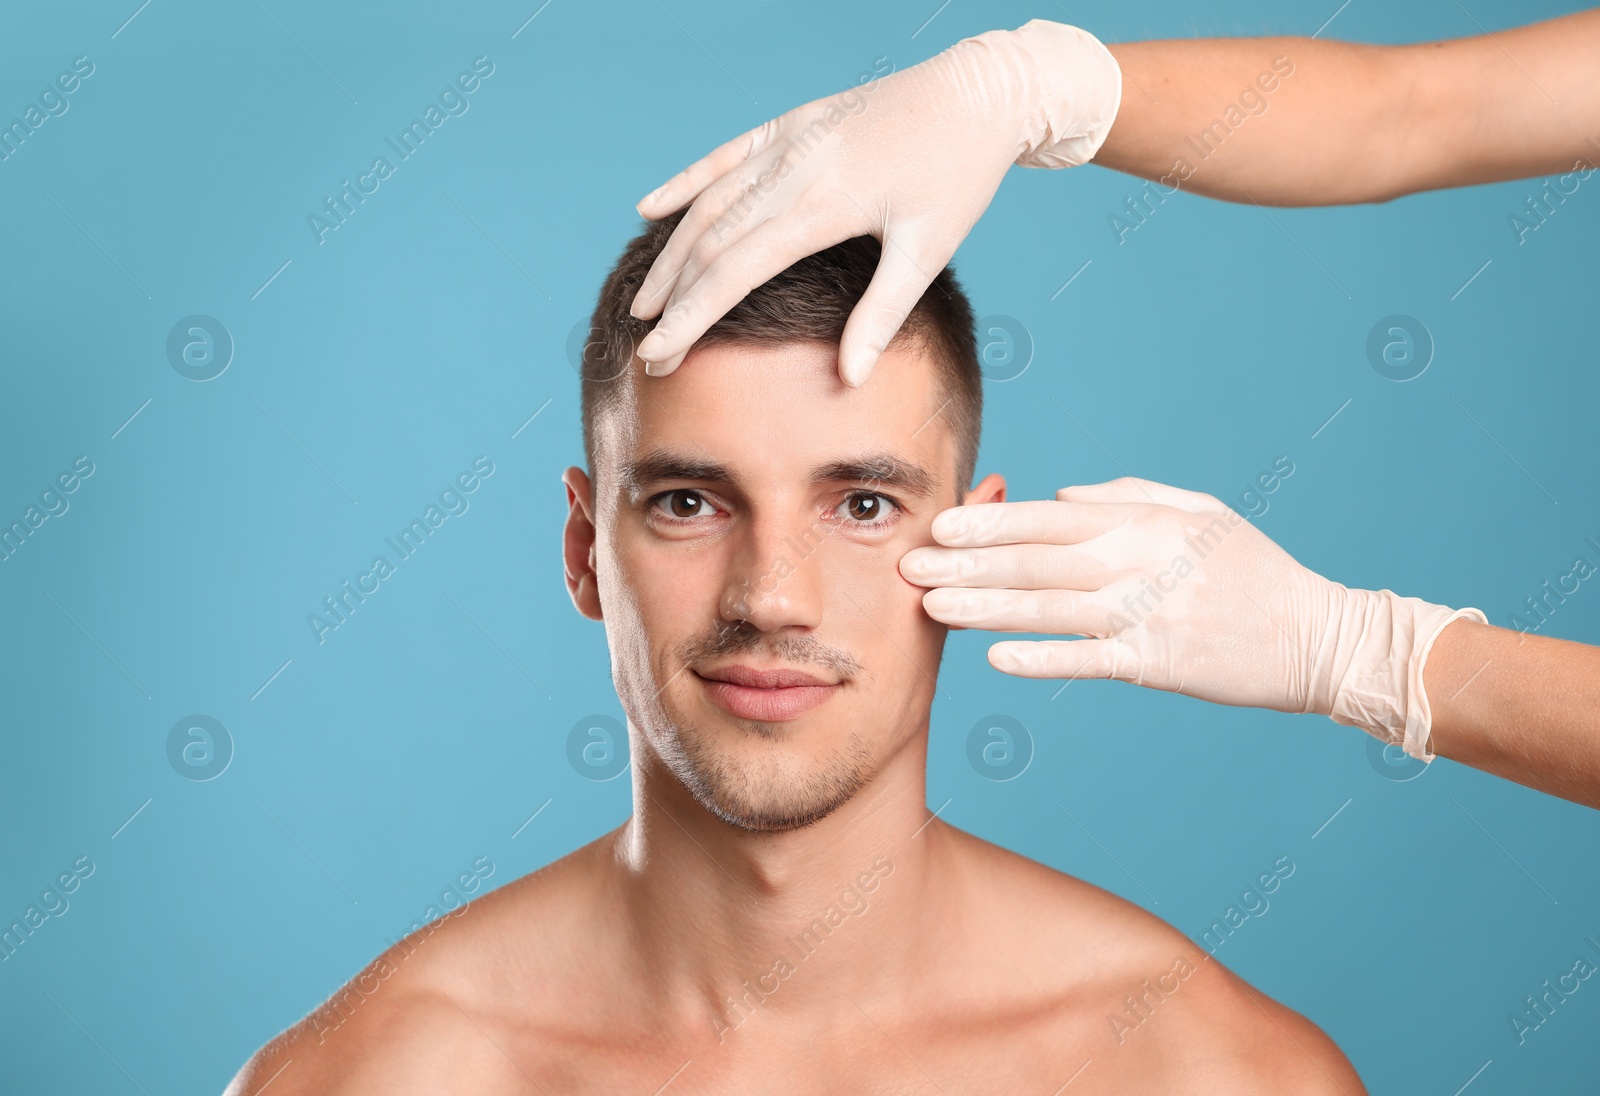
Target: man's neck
[730,923]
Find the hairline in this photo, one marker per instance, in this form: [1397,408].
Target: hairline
[912,334]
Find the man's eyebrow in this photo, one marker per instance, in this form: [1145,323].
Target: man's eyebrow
[880,469]
[660,465]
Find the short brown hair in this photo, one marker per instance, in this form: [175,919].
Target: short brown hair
[808,302]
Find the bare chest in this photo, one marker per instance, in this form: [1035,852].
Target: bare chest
[865,1055]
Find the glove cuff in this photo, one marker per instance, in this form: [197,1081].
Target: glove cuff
[1079,90]
[1381,691]
[1064,83]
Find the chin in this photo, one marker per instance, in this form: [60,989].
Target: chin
[771,817]
[775,790]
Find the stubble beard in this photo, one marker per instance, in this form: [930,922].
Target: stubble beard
[764,796]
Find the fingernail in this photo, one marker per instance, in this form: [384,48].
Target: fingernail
[655,369]
[650,347]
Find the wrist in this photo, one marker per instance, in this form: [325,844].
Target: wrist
[1380,685]
[1079,91]
[1056,84]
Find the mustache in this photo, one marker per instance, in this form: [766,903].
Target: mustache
[738,637]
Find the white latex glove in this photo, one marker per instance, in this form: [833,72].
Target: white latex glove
[1180,592]
[912,158]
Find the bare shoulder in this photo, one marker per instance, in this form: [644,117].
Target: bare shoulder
[434,1011]
[1144,1002]
[412,1041]
[1226,1036]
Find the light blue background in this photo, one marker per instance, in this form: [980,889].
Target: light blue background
[426,730]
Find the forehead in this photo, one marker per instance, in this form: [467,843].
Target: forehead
[776,413]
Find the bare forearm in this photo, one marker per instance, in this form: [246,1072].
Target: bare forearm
[1524,707]
[1304,121]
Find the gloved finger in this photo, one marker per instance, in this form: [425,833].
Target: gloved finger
[702,297]
[1134,489]
[1075,659]
[1038,521]
[896,287]
[1008,567]
[662,276]
[686,185]
[764,245]
[709,225]
[1056,612]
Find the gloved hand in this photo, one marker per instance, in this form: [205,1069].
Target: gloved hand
[1180,592]
[912,159]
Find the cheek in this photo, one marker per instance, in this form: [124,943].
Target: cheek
[643,596]
[657,593]
[883,607]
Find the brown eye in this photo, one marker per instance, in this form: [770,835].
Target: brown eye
[868,509]
[682,504]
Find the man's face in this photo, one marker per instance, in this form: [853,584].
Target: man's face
[747,523]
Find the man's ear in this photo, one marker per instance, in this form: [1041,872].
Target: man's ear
[577,543]
[992,488]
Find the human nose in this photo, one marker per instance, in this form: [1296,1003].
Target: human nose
[774,581]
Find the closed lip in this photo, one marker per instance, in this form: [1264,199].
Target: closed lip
[752,678]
